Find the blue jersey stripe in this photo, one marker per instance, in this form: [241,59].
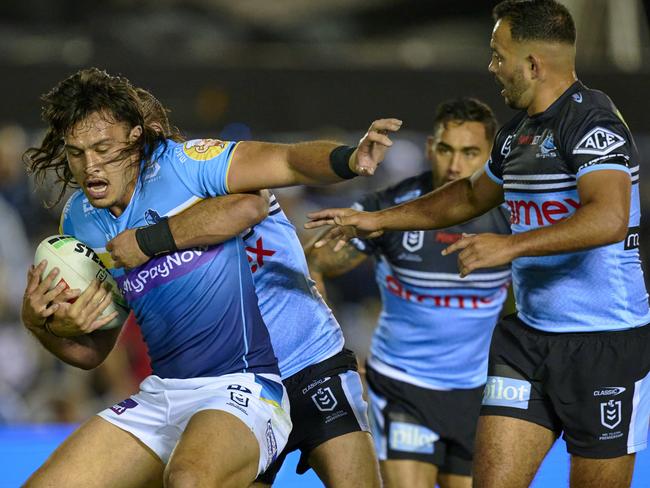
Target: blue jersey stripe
[243,317]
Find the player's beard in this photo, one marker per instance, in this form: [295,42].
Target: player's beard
[514,90]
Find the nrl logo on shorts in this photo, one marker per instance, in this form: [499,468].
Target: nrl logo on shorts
[610,413]
[238,394]
[325,399]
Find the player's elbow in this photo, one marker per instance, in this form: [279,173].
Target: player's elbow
[88,359]
[254,210]
[619,229]
[86,362]
[615,229]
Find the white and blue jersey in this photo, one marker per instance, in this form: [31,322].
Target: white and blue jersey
[538,160]
[435,327]
[196,308]
[302,327]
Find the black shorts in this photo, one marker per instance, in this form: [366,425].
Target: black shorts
[593,387]
[326,402]
[432,426]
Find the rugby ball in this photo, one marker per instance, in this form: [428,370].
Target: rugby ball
[78,265]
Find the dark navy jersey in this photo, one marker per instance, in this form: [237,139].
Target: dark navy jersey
[434,329]
[538,160]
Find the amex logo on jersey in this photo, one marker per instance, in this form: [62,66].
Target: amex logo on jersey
[204,149]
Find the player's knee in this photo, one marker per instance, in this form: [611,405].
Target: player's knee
[181,475]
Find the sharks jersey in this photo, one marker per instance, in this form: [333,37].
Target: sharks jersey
[434,329]
[197,308]
[538,160]
[302,327]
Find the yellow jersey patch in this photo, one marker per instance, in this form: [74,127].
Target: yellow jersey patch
[203,149]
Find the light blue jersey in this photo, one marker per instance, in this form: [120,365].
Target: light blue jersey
[539,160]
[196,308]
[435,327]
[302,327]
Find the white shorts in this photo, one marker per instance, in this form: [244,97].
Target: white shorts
[159,413]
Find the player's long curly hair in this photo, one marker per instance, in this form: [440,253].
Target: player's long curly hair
[72,101]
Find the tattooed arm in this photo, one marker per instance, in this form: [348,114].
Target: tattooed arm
[324,262]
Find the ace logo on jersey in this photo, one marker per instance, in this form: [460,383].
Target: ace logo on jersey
[599,142]
[203,149]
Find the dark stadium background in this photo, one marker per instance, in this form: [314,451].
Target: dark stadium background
[282,70]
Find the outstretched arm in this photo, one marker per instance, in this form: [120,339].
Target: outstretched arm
[209,222]
[257,165]
[451,204]
[601,219]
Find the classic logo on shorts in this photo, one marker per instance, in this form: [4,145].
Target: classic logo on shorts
[404,436]
[610,413]
[501,391]
[311,385]
[124,405]
[609,391]
[325,399]
[203,149]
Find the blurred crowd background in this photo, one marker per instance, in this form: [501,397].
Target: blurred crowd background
[281,70]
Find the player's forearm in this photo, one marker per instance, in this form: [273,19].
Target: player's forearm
[448,205]
[84,351]
[330,264]
[259,165]
[311,164]
[590,226]
[216,220]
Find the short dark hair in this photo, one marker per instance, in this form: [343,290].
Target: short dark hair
[537,20]
[466,109]
[74,99]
